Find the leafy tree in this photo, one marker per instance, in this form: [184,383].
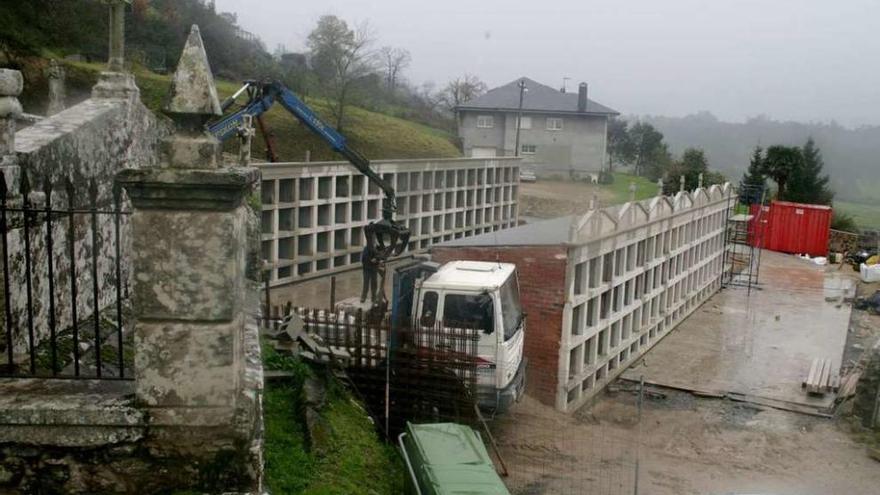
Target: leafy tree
[341,56]
[652,156]
[781,163]
[621,148]
[461,90]
[753,182]
[693,163]
[808,184]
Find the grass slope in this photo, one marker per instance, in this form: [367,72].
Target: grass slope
[375,135]
[620,187]
[354,461]
[866,216]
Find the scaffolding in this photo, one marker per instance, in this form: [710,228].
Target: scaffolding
[744,237]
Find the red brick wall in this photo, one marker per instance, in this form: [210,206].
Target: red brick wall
[542,290]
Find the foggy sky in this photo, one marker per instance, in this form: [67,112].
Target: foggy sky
[803,60]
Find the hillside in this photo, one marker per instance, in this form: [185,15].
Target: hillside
[375,135]
[850,154]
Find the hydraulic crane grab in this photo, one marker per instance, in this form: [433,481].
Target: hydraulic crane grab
[384,238]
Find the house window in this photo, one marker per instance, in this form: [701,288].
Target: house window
[525,122]
[485,121]
[554,124]
[528,149]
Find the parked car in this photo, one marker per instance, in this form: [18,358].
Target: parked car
[527,175]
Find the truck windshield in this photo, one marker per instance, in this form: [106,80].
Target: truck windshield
[469,311]
[511,312]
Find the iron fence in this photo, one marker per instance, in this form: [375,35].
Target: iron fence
[63,281]
[403,372]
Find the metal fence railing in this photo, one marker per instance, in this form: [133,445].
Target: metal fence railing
[64,288]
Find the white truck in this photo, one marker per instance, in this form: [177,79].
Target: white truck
[471,294]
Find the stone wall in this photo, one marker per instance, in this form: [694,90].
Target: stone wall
[867,402]
[88,142]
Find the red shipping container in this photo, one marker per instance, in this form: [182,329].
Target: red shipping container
[795,228]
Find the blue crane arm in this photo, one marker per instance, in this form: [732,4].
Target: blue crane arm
[229,126]
[264,99]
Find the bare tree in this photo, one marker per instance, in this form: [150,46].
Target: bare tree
[341,57]
[462,90]
[394,61]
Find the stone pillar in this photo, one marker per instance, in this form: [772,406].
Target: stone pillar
[681,183]
[246,135]
[189,230]
[632,191]
[659,187]
[700,181]
[115,82]
[57,90]
[11,85]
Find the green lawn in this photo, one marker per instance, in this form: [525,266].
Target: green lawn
[351,460]
[620,188]
[866,216]
[375,135]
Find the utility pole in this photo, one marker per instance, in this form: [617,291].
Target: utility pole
[522,91]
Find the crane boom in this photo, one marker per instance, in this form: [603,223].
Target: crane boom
[264,95]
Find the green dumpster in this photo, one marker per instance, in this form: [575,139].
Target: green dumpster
[448,459]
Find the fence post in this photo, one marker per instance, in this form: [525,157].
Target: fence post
[189,229]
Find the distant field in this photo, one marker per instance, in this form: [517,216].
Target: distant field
[866,216]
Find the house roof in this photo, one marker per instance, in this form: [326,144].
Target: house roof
[543,233]
[538,98]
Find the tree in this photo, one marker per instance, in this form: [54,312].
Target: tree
[394,61]
[652,156]
[807,184]
[462,90]
[753,183]
[621,148]
[692,165]
[341,56]
[780,164]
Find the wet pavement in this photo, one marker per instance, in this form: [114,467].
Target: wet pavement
[760,344]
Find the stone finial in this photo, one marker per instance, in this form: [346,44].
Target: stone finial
[116,59]
[246,134]
[11,85]
[57,92]
[700,181]
[192,87]
[659,187]
[191,101]
[681,183]
[632,191]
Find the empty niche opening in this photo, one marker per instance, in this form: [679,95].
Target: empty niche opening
[324,215]
[305,217]
[323,242]
[341,212]
[342,186]
[324,186]
[267,192]
[304,245]
[306,189]
[286,191]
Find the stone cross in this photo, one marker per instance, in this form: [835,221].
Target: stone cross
[659,187]
[632,191]
[116,61]
[56,76]
[681,183]
[246,134]
[700,181]
[11,84]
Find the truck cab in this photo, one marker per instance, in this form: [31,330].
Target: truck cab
[483,296]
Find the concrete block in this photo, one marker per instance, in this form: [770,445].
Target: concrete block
[11,82]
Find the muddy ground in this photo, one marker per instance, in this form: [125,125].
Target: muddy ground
[689,445]
[551,199]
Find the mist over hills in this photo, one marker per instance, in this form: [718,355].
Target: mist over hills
[852,156]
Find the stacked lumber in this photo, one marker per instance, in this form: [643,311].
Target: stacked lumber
[822,378]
